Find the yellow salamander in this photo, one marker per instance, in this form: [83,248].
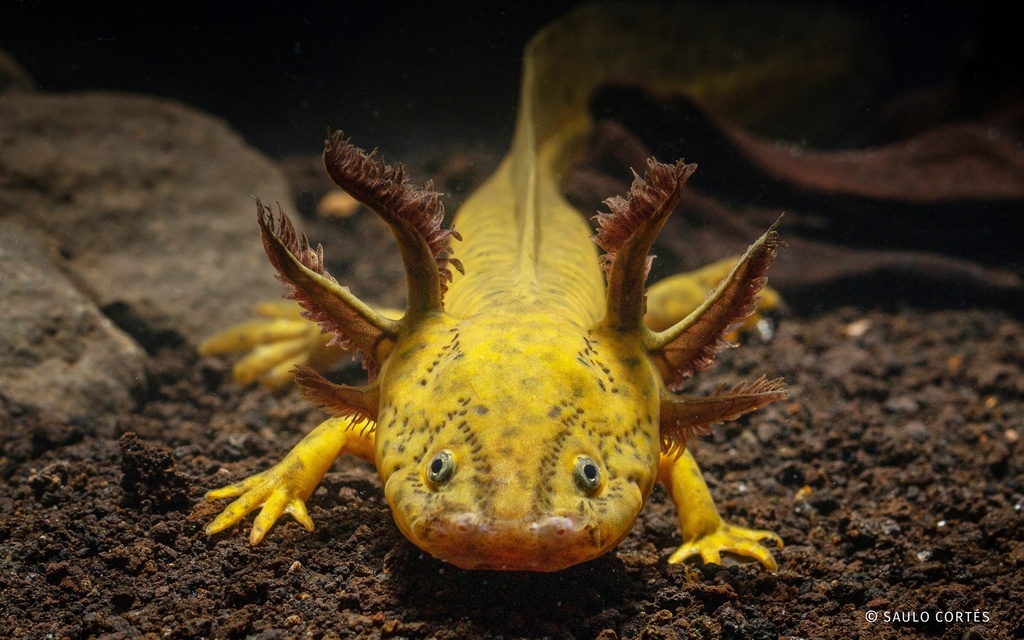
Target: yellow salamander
[520,410]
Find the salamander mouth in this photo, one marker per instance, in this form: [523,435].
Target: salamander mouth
[541,543]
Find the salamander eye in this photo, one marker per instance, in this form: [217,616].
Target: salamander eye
[441,468]
[587,474]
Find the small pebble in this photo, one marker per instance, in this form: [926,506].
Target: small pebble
[917,431]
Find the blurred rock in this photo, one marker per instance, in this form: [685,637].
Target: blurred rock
[58,353]
[12,76]
[147,206]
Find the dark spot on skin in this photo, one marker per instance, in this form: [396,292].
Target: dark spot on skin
[510,433]
[555,412]
[480,410]
[635,478]
[630,362]
[423,382]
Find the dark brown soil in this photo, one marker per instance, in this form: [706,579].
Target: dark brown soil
[894,475]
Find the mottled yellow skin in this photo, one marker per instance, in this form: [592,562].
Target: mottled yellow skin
[517,428]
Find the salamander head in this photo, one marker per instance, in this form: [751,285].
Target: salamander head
[536,465]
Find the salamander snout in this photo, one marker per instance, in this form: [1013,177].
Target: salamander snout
[542,543]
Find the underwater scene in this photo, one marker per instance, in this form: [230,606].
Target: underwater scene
[534,320]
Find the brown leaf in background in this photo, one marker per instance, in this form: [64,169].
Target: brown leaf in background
[935,220]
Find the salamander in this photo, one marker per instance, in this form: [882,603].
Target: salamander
[520,409]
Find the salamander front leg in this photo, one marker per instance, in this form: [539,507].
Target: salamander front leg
[703,530]
[285,487]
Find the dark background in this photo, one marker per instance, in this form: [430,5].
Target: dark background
[391,74]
